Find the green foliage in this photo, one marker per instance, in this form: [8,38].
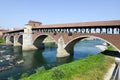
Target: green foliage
[57,74]
[47,39]
[2,40]
[40,69]
[110,47]
[24,75]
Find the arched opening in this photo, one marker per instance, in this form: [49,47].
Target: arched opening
[40,41]
[70,45]
[20,39]
[12,39]
[4,37]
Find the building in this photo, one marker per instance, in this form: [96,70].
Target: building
[2,31]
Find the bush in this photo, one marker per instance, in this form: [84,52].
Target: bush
[24,75]
[57,74]
[40,69]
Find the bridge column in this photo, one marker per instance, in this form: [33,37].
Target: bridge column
[16,43]
[27,39]
[8,42]
[61,52]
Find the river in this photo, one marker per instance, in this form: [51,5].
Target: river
[43,57]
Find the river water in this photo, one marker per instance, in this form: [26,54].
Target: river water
[43,57]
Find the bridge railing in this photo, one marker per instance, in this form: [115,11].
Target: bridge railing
[108,30]
[101,30]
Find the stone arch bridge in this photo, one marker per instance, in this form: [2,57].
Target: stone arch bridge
[65,35]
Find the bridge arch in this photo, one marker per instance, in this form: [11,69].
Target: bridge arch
[20,39]
[11,39]
[38,40]
[70,45]
[4,37]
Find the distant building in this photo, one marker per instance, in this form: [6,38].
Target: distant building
[2,31]
[34,23]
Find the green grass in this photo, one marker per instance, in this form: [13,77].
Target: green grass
[92,67]
[2,40]
[47,39]
[111,48]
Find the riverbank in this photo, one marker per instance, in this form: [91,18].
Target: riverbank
[93,67]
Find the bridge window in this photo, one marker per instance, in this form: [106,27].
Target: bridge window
[116,31]
[87,30]
[93,30]
[39,30]
[109,30]
[103,30]
[82,30]
[57,30]
[98,30]
[71,30]
[75,30]
[67,30]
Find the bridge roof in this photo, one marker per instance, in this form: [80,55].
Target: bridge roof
[111,23]
[14,31]
[83,24]
[3,30]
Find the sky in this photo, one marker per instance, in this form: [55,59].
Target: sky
[17,13]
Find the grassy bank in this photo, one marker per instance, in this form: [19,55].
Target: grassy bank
[2,40]
[91,68]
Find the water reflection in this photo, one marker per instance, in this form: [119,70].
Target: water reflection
[28,59]
[18,51]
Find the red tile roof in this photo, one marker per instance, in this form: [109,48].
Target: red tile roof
[83,24]
[14,30]
[79,24]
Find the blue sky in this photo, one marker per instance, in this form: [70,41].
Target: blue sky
[16,13]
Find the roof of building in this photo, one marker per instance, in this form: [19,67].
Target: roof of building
[84,24]
[31,21]
[3,30]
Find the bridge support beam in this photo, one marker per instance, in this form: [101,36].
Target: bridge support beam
[61,52]
[27,39]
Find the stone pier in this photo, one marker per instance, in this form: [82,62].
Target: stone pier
[61,52]
[8,42]
[27,39]
[16,43]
